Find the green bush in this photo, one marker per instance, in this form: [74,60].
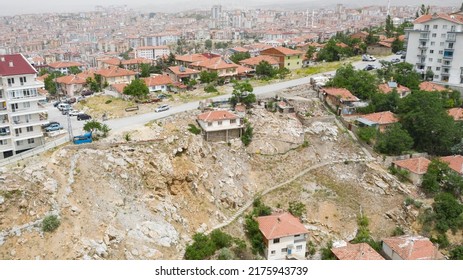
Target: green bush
[210,88]
[297,208]
[50,223]
[246,138]
[401,174]
[108,101]
[398,231]
[202,248]
[221,239]
[193,129]
[327,254]
[226,254]
[456,253]
[367,134]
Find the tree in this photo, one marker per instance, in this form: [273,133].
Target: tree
[389,28]
[397,44]
[457,252]
[297,208]
[208,44]
[264,69]
[145,70]
[310,52]
[441,178]
[202,248]
[74,70]
[208,77]
[238,56]
[50,82]
[333,52]
[242,92]
[367,134]
[394,141]
[360,83]
[447,212]
[363,233]
[405,74]
[424,10]
[423,115]
[137,88]
[221,239]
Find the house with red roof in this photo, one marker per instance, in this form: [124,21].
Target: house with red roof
[182,73]
[224,68]
[456,114]
[360,251]
[380,48]
[389,87]
[287,58]
[254,61]
[339,99]
[158,83]
[220,125]
[380,120]
[64,66]
[115,75]
[455,162]
[284,236]
[430,86]
[408,247]
[187,59]
[416,167]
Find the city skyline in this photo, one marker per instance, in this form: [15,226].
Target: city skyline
[52,6]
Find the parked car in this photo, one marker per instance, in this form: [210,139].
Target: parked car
[367,57]
[53,127]
[63,106]
[87,93]
[395,60]
[50,123]
[400,52]
[402,56]
[369,67]
[73,113]
[81,117]
[71,100]
[162,108]
[65,111]
[56,103]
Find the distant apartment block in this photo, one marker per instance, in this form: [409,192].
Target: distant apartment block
[21,116]
[152,52]
[435,43]
[64,66]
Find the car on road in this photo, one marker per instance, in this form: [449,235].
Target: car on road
[74,113]
[81,117]
[50,123]
[87,93]
[53,127]
[367,57]
[395,60]
[162,108]
[402,56]
[369,67]
[400,52]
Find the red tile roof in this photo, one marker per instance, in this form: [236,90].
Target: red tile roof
[191,57]
[386,117]
[453,18]
[119,87]
[64,64]
[70,79]
[284,51]
[240,49]
[342,93]
[413,248]
[215,63]
[417,165]
[115,72]
[280,225]
[185,70]
[158,80]
[256,60]
[385,88]
[217,116]
[455,162]
[456,113]
[15,64]
[428,86]
[361,251]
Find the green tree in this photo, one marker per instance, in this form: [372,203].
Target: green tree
[424,10]
[423,115]
[145,70]
[367,134]
[208,44]
[137,89]
[206,77]
[264,69]
[74,70]
[297,208]
[440,177]
[333,52]
[242,92]
[394,141]
[326,252]
[389,28]
[363,233]
[397,45]
[310,52]
[50,82]
[221,239]
[448,212]
[405,74]
[238,56]
[202,248]
[457,252]
[360,83]
[92,126]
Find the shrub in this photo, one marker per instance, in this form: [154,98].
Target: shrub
[193,129]
[442,240]
[50,223]
[108,101]
[210,88]
[401,174]
[246,138]
[221,239]
[367,134]
[201,249]
[226,254]
[297,208]
[127,137]
[398,231]
[327,254]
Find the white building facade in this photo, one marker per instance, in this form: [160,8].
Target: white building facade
[436,43]
[152,52]
[21,115]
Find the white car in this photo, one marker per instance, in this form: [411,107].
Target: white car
[162,108]
[73,113]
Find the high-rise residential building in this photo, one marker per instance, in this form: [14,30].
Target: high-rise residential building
[152,52]
[216,11]
[21,115]
[436,44]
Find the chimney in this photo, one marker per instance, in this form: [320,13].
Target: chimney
[2,59]
[10,64]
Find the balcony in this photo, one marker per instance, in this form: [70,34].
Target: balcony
[7,147]
[28,135]
[451,38]
[422,47]
[300,239]
[28,111]
[27,98]
[33,122]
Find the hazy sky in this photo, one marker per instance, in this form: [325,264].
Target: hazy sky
[12,7]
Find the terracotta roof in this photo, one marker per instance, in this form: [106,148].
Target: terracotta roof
[152,48]
[417,165]
[185,70]
[257,59]
[70,79]
[15,64]
[456,113]
[413,248]
[454,18]
[191,57]
[361,251]
[112,61]
[115,72]
[428,86]
[158,80]
[240,49]
[385,44]
[243,70]
[215,63]
[287,51]
[455,162]
[136,61]
[342,93]
[119,87]
[217,116]
[342,45]
[280,225]
[390,86]
[386,117]
[64,64]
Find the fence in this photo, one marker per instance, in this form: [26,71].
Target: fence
[35,151]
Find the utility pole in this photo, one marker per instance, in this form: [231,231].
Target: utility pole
[388,6]
[71,136]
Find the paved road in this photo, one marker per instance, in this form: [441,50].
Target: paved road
[137,120]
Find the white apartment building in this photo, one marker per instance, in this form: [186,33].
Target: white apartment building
[152,52]
[21,116]
[436,43]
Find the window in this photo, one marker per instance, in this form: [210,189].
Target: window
[3,142]
[444,26]
[439,61]
[431,51]
[219,122]
[428,68]
[272,252]
[298,63]
[22,80]
[443,35]
[436,76]
[10,81]
[441,52]
[26,105]
[297,235]
[19,143]
[426,27]
[434,35]
[276,240]
[209,124]
[441,44]
[288,57]
[433,43]
[437,68]
[232,121]
[461,80]
[434,26]
[452,28]
[18,131]
[30,141]
[298,248]
[284,250]
[288,63]
[430,59]
[30,128]
[450,45]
